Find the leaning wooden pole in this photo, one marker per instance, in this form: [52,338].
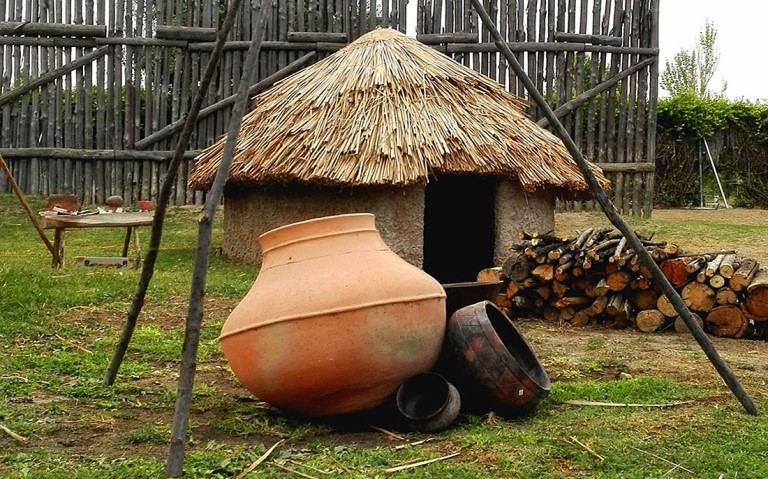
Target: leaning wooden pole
[197,292]
[148,268]
[610,211]
[27,209]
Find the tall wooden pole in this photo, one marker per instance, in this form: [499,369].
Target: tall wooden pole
[195,310]
[28,210]
[148,268]
[610,211]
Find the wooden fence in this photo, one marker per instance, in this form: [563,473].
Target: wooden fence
[93,93]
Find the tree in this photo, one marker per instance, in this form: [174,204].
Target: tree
[690,71]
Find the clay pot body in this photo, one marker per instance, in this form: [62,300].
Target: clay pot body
[497,365]
[335,321]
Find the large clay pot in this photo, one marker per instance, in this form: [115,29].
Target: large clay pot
[335,321]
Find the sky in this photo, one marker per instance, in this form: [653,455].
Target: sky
[741,27]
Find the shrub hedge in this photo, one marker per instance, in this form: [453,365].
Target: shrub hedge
[740,131]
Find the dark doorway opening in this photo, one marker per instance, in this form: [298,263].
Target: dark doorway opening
[459,227]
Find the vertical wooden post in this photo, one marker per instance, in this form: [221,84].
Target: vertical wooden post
[195,311]
[652,102]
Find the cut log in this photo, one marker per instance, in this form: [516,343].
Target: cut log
[559,288]
[528,283]
[698,296]
[512,289]
[675,271]
[714,265]
[601,288]
[502,301]
[756,302]
[617,253]
[726,296]
[544,272]
[544,291]
[727,322]
[609,268]
[640,282]
[489,275]
[516,267]
[618,308]
[566,315]
[581,318]
[571,301]
[717,281]
[694,265]
[743,276]
[728,265]
[646,299]
[583,237]
[598,306]
[671,249]
[701,276]
[650,320]
[617,305]
[618,281]
[663,305]
[682,328]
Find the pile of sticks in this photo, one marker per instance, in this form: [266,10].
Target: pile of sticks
[595,278]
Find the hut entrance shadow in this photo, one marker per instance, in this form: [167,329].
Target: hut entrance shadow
[458,227]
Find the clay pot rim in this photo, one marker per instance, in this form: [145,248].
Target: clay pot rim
[272,240]
[313,314]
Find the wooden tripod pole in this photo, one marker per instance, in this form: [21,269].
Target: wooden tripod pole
[610,211]
[197,291]
[28,210]
[148,265]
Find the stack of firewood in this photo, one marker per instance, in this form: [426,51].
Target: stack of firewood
[595,278]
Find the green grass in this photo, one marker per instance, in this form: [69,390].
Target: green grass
[50,389]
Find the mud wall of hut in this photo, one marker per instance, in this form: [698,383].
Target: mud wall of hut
[250,212]
[93,93]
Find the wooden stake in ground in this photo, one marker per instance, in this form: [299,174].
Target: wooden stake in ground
[613,216]
[195,311]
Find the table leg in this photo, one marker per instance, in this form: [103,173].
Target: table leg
[127,241]
[137,245]
[58,246]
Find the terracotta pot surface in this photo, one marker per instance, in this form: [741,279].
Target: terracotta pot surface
[335,321]
[497,363]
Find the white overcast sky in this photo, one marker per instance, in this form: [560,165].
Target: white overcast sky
[741,29]
[741,35]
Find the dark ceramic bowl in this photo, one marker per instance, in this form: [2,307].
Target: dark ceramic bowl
[458,295]
[493,356]
[428,402]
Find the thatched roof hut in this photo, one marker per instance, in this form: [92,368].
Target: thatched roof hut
[386,115]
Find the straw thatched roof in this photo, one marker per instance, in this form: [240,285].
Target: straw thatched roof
[388,110]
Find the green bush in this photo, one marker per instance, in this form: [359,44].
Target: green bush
[683,121]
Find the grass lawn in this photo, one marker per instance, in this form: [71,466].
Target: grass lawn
[58,329]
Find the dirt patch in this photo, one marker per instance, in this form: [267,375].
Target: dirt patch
[599,353]
[717,229]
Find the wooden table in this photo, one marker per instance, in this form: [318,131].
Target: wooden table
[130,221]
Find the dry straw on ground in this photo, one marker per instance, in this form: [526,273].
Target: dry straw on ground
[388,110]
